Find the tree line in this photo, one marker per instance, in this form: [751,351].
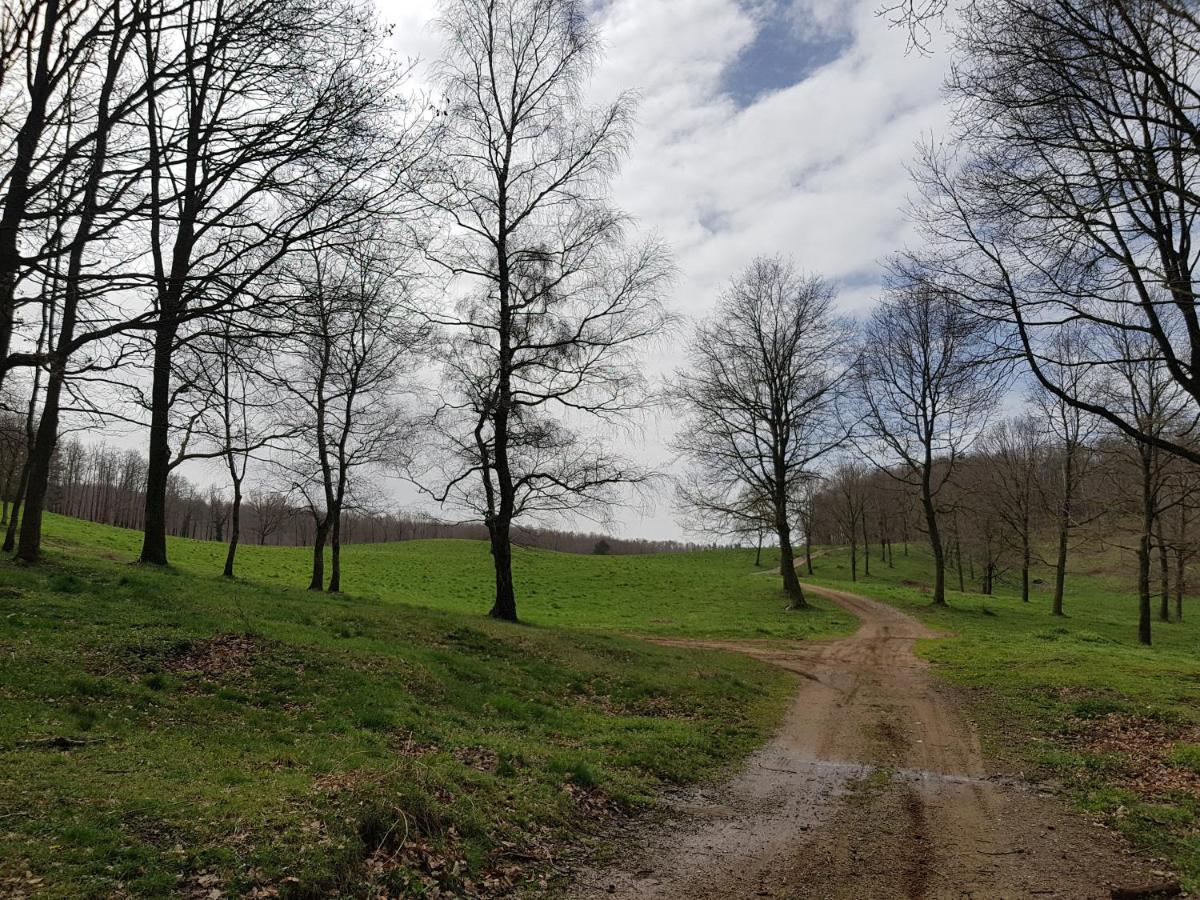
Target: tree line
[1055,274]
[235,224]
[101,483]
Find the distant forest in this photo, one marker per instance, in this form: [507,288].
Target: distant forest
[106,484]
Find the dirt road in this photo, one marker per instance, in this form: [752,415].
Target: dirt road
[875,787]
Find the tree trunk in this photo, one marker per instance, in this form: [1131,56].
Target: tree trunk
[1164,577]
[41,457]
[808,550]
[758,551]
[14,518]
[958,561]
[505,607]
[1064,531]
[853,559]
[317,582]
[1026,562]
[1060,569]
[335,554]
[158,468]
[235,528]
[1180,563]
[1143,554]
[787,563]
[935,544]
[866,549]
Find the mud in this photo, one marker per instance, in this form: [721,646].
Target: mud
[874,787]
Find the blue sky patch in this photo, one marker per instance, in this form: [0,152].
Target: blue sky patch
[784,52]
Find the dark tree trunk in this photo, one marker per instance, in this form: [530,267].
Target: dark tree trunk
[14,518]
[158,468]
[505,607]
[935,540]
[1143,554]
[866,549]
[1026,563]
[235,528]
[317,582]
[1180,563]
[1164,577]
[758,551]
[335,554]
[41,457]
[787,562]
[1060,568]
[808,551]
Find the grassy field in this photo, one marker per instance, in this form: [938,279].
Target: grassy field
[170,733]
[1076,699]
[706,594]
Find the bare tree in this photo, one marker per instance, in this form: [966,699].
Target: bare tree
[848,482]
[1014,453]
[1143,391]
[84,200]
[1069,192]
[1071,431]
[554,304]
[278,131]
[805,504]
[231,408]
[759,399]
[270,509]
[344,370]
[926,384]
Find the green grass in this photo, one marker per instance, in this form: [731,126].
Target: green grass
[170,733]
[718,593]
[1042,686]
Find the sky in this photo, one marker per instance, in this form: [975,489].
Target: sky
[764,127]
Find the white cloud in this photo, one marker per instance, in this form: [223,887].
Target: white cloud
[815,171]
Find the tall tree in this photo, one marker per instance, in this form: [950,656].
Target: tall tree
[231,409]
[1070,431]
[278,131]
[344,371]
[926,382]
[1143,391]
[1069,191]
[759,399]
[94,187]
[1014,452]
[849,484]
[555,304]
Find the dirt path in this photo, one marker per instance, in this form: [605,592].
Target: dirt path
[875,787]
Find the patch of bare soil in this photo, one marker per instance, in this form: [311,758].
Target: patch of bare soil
[875,787]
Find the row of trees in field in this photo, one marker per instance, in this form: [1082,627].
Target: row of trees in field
[101,483]
[1057,222]
[234,223]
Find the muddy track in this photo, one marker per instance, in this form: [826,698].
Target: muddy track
[874,787]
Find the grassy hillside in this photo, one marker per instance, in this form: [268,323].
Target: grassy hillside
[1076,698]
[707,594]
[169,733]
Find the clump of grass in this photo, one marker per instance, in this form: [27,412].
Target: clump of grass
[1186,756]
